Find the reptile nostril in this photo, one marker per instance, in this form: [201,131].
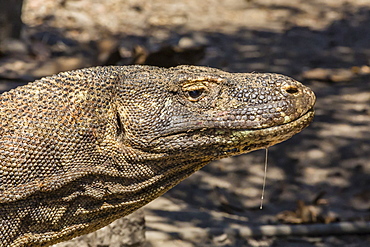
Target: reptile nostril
[291,89]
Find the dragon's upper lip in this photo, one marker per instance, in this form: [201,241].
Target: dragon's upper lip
[294,126]
[270,135]
[236,125]
[302,118]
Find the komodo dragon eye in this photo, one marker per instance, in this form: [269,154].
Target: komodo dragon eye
[194,92]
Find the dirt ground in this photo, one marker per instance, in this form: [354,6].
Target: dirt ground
[321,175]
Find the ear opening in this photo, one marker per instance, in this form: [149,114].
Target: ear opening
[119,125]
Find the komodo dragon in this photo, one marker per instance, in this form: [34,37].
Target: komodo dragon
[83,148]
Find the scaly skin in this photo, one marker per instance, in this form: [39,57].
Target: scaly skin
[83,148]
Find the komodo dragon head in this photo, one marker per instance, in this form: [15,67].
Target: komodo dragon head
[200,113]
[83,148]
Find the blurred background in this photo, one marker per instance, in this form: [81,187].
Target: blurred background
[321,175]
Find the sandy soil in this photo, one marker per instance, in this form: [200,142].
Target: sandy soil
[320,175]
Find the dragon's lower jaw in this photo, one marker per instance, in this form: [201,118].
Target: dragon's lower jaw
[244,141]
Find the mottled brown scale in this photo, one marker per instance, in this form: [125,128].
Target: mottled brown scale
[83,148]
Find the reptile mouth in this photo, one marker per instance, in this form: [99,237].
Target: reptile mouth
[252,139]
[224,142]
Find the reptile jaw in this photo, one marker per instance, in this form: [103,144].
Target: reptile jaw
[229,142]
[248,140]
